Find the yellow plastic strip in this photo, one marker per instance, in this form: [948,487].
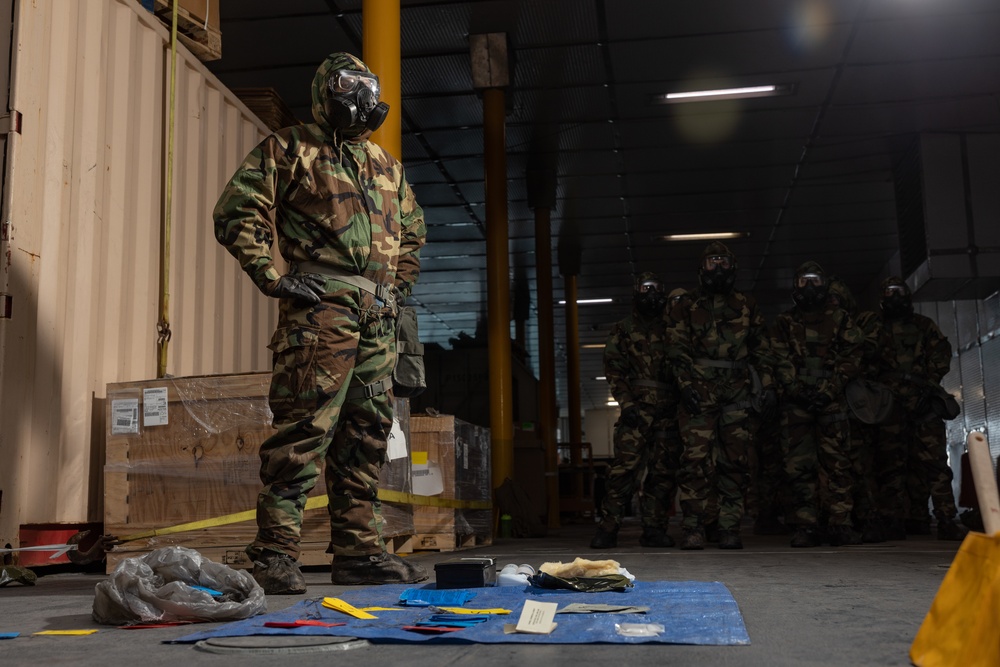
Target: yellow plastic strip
[314,502]
[380,609]
[339,605]
[67,633]
[465,610]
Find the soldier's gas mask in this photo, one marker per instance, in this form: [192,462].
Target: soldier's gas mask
[718,273]
[810,290]
[353,105]
[650,298]
[896,301]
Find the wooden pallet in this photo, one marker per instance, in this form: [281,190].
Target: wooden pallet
[204,41]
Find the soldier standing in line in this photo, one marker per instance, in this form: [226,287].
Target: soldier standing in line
[863,435]
[633,364]
[347,222]
[823,348]
[713,340]
[914,356]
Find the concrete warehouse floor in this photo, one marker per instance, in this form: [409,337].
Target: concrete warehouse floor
[846,606]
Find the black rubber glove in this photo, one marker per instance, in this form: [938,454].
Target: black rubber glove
[691,400]
[305,288]
[631,416]
[768,404]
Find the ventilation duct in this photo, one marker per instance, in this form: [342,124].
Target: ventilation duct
[948,212]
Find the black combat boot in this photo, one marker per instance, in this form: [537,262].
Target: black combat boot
[917,526]
[655,538]
[730,539]
[839,536]
[693,539]
[951,530]
[805,536]
[604,539]
[278,574]
[872,532]
[893,529]
[383,568]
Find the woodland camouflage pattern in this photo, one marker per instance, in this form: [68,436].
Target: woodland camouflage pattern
[863,436]
[817,443]
[344,203]
[912,442]
[635,351]
[715,459]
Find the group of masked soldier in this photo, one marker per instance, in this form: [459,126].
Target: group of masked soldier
[721,412]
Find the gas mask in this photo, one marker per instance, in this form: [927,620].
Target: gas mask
[717,274]
[896,301]
[810,291]
[649,298]
[353,105]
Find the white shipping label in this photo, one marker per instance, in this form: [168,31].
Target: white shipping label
[397,442]
[124,416]
[154,407]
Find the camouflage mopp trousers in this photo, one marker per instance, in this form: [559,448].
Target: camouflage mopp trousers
[321,352]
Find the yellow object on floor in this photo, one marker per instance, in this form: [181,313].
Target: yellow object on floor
[339,605]
[963,624]
[67,633]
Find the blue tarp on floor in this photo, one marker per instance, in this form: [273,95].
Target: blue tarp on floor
[691,612]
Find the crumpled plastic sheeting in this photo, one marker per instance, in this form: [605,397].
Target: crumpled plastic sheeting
[159,587]
[18,574]
[691,612]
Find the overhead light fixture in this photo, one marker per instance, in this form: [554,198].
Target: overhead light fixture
[705,236]
[723,94]
[562,302]
[612,404]
[601,377]
[592,346]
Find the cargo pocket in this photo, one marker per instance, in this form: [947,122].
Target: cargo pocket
[293,382]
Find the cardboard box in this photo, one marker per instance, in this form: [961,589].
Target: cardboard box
[451,459]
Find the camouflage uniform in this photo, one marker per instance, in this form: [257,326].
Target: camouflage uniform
[643,442]
[913,358]
[863,436]
[713,340]
[823,347]
[342,204]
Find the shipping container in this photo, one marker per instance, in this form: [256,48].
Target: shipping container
[84,199]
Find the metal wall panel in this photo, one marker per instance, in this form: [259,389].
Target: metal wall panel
[86,195]
[991,388]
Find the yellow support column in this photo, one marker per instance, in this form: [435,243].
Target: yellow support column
[498,286]
[380,41]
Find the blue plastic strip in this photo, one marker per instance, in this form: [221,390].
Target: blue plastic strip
[425,597]
[691,612]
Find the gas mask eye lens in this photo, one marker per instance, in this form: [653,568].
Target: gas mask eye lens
[346,81]
[813,279]
[895,289]
[647,287]
[717,260]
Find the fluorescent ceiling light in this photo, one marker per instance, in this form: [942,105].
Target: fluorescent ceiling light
[601,377]
[592,346]
[705,236]
[612,404]
[562,302]
[723,94]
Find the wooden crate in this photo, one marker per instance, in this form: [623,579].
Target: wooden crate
[198,32]
[460,453]
[203,463]
[268,106]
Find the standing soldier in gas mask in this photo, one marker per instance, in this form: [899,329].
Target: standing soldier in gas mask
[823,348]
[633,364]
[347,222]
[712,342]
[914,356]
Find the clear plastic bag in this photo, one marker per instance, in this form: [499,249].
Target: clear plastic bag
[167,585]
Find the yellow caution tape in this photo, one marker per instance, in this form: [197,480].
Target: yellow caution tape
[339,605]
[68,633]
[465,610]
[314,502]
